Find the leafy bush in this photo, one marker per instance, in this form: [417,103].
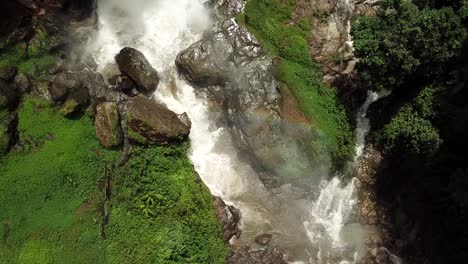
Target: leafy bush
[408,132]
[411,130]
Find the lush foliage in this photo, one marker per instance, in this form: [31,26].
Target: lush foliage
[411,130]
[270,21]
[42,186]
[50,199]
[164,210]
[404,43]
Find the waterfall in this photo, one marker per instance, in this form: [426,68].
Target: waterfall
[308,230]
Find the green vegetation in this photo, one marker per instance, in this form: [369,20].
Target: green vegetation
[165,211]
[31,58]
[411,130]
[270,21]
[403,42]
[159,212]
[421,53]
[42,187]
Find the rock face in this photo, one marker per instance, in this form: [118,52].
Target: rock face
[107,123]
[230,65]
[148,122]
[228,217]
[133,63]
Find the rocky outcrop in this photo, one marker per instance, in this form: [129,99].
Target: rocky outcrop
[247,255]
[330,43]
[107,123]
[230,65]
[149,122]
[229,218]
[133,63]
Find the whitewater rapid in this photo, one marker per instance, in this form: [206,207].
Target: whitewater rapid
[309,230]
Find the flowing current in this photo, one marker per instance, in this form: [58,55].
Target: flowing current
[310,231]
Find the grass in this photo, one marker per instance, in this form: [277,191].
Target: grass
[270,21]
[49,199]
[42,186]
[165,210]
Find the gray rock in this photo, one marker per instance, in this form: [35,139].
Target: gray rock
[21,82]
[149,122]
[133,63]
[246,255]
[107,124]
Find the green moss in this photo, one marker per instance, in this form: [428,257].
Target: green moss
[289,41]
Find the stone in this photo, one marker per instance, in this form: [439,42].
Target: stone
[7,73]
[123,84]
[107,124]
[133,63]
[149,122]
[246,255]
[229,217]
[21,82]
[263,239]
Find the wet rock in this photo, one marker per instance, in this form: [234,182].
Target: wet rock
[229,65]
[133,63]
[69,86]
[205,63]
[8,95]
[149,122]
[229,218]
[107,123]
[123,84]
[7,73]
[246,255]
[21,83]
[263,239]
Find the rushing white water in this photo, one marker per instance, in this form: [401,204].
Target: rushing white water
[309,230]
[362,122]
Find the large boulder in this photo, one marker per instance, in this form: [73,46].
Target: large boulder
[107,124]
[149,122]
[133,63]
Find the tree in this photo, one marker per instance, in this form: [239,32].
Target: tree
[403,42]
